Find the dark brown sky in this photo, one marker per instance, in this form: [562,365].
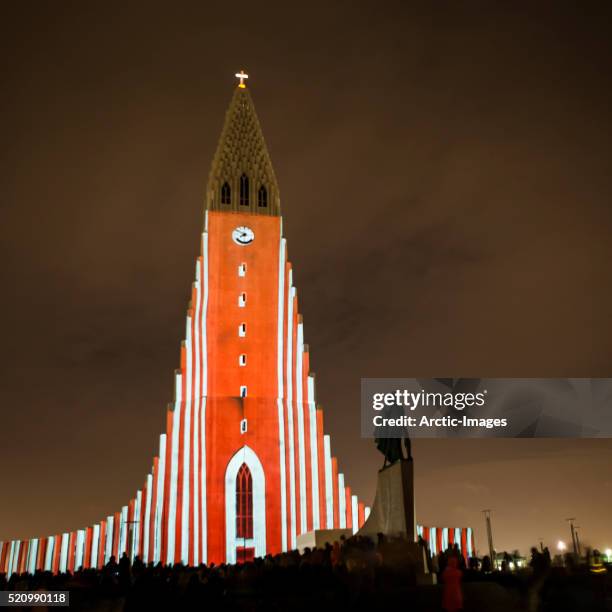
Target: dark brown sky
[445,180]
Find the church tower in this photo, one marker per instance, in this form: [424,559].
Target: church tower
[265,448]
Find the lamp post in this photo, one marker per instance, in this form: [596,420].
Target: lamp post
[578,548]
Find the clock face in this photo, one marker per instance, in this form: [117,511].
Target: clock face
[243,235]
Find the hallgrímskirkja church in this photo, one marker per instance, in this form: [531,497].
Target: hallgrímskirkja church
[244,466]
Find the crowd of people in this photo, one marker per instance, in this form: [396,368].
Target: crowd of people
[355,572]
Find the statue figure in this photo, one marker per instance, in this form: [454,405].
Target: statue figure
[391,448]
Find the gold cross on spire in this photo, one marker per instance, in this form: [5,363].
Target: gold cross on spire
[242,75]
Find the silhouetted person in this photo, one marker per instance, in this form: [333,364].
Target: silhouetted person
[109,576]
[336,555]
[538,563]
[540,568]
[442,561]
[456,552]
[452,596]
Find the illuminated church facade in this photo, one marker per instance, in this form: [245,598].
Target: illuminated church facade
[244,466]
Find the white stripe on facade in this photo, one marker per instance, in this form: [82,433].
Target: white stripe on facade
[289,404]
[123,530]
[186,407]
[9,567]
[203,313]
[95,543]
[314,454]
[174,459]
[468,534]
[329,485]
[433,541]
[32,553]
[146,530]
[355,512]
[279,402]
[299,375]
[79,552]
[204,385]
[159,502]
[49,554]
[136,525]
[196,416]
[63,564]
[203,519]
[109,538]
[196,483]
[341,501]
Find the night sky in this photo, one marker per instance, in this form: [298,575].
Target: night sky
[446,190]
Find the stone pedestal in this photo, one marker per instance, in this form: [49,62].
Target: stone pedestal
[393,515]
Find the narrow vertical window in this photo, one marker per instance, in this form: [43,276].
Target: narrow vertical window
[226,194]
[244,190]
[242,300]
[242,269]
[243,391]
[242,360]
[244,503]
[242,330]
[262,197]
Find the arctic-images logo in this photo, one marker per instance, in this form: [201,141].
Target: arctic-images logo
[423,399]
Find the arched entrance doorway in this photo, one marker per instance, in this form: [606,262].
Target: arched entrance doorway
[245,507]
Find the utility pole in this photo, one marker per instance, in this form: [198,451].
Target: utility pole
[487,514]
[573,531]
[576,528]
[541,541]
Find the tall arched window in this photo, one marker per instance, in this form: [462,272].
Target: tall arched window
[244,190]
[262,197]
[244,503]
[226,194]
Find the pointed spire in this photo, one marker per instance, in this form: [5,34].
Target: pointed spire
[241,177]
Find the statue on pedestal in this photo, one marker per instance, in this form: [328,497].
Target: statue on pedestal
[391,448]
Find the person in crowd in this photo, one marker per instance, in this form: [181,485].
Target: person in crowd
[452,594]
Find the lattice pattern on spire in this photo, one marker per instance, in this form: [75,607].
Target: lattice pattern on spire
[242,152]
